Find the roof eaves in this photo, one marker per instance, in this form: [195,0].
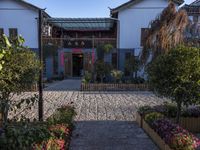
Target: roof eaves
[132,2]
[33,7]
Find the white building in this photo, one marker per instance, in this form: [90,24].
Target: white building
[18,17]
[193,11]
[134,17]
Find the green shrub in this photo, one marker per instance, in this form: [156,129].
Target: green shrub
[176,75]
[145,110]
[117,75]
[170,110]
[63,115]
[87,78]
[23,136]
[151,117]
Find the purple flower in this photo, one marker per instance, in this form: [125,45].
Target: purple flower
[174,135]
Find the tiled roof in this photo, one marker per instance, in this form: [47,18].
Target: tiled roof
[132,2]
[195,3]
[83,23]
[193,8]
[23,2]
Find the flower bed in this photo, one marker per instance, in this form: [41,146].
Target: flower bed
[154,136]
[168,135]
[164,132]
[190,117]
[54,134]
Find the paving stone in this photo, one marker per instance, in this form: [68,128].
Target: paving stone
[104,121]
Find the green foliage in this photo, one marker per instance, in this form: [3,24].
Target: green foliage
[151,117]
[102,50]
[176,75]
[87,77]
[107,48]
[132,64]
[102,69]
[170,110]
[4,51]
[117,75]
[145,110]
[22,136]
[62,115]
[20,70]
[53,134]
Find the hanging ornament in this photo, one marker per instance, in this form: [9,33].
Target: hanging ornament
[82,43]
[76,43]
[69,43]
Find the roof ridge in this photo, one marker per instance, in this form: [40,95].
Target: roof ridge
[130,2]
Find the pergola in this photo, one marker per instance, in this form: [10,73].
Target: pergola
[83,23]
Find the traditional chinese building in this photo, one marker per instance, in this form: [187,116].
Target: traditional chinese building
[70,44]
[193,11]
[76,41]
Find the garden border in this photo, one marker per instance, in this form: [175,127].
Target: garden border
[191,124]
[155,137]
[114,87]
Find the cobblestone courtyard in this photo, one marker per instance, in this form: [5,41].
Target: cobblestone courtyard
[104,121]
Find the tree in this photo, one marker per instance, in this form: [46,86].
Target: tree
[102,69]
[102,50]
[165,32]
[176,75]
[20,70]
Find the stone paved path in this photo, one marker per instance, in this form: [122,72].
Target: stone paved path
[104,121]
[65,85]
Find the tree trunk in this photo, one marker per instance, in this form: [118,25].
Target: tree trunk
[4,108]
[179,106]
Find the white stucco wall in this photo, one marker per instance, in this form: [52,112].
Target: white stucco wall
[24,20]
[136,17]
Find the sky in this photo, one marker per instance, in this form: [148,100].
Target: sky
[79,8]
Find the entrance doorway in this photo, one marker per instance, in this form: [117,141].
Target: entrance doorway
[77,65]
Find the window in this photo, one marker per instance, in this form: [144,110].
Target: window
[195,19]
[13,33]
[114,60]
[144,33]
[1,32]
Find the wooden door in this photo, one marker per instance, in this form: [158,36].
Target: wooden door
[68,64]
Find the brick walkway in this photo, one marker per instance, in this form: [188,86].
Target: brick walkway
[104,121]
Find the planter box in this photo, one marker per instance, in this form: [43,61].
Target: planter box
[190,123]
[155,137]
[139,120]
[1,120]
